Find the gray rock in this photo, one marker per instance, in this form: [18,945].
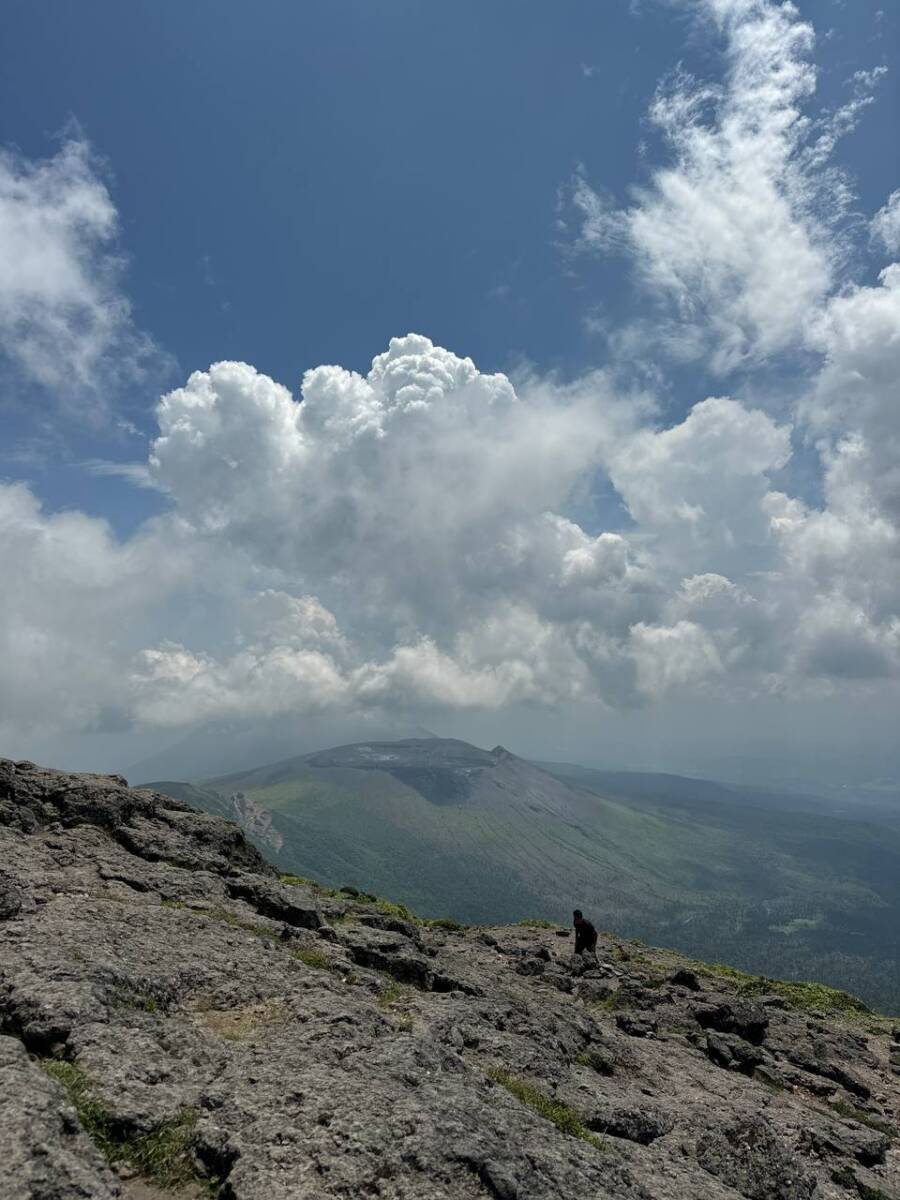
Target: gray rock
[641,1125]
[867,1146]
[531,966]
[274,900]
[686,979]
[733,1053]
[752,1160]
[597,990]
[154,950]
[636,1026]
[10,898]
[749,1021]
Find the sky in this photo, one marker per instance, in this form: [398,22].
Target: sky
[525,372]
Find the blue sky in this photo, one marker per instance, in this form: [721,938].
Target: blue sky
[296,184]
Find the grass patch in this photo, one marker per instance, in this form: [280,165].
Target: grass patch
[320,888]
[236,922]
[843,1109]
[601,1061]
[393,992]
[538,923]
[316,959]
[163,1155]
[808,997]
[614,1000]
[134,996]
[390,909]
[299,881]
[447,923]
[564,1118]
[388,996]
[217,913]
[95,1120]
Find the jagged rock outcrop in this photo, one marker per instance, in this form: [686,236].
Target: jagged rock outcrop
[170,1009]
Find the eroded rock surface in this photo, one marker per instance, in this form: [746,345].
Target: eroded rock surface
[310,1046]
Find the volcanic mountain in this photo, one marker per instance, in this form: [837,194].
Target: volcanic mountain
[770,883]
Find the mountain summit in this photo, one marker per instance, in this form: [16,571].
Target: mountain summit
[177,1020]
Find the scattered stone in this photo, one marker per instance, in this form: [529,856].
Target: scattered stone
[749,1021]
[733,1053]
[531,966]
[636,1026]
[686,979]
[597,990]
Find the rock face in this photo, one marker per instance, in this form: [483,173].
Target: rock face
[175,1021]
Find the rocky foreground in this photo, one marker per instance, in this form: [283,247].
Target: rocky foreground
[178,1021]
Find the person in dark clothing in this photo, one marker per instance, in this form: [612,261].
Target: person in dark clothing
[585,934]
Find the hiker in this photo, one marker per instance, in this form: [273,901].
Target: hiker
[585,935]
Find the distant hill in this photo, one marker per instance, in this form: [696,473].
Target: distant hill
[720,872]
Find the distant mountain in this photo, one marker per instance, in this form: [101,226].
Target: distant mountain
[717,871]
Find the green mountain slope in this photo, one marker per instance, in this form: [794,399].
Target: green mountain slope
[717,872]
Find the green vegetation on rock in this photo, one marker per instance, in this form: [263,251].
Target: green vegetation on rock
[811,997]
[319,888]
[564,1118]
[163,1155]
[133,996]
[852,1113]
[315,959]
[392,992]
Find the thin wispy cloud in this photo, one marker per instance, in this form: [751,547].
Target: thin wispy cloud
[65,320]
